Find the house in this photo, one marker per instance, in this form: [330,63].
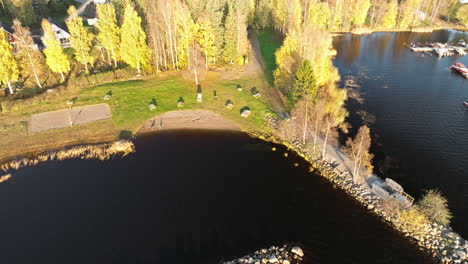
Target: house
[9,33]
[61,33]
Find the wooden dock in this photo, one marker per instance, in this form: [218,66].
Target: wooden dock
[442,50]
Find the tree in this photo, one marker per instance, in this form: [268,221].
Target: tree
[390,17]
[334,112]
[80,38]
[108,31]
[408,13]
[462,14]
[360,9]
[8,66]
[133,48]
[186,31]
[31,60]
[304,84]
[358,150]
[22,10]
[435,206]
[263,13]
[230,36]
[206,39]
[319,14]
[55,58]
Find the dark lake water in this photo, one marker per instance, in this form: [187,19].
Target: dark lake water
[421,126]
[186,197]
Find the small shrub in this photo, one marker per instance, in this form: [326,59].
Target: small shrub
[435,206]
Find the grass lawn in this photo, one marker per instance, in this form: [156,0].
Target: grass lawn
[131,99]
[130,109]
[270,41]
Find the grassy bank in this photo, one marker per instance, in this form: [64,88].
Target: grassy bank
[130,108]
[270,41]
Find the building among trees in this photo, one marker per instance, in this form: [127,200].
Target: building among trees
[61,33]
[9,33]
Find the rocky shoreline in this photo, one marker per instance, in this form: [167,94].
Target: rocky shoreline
[445,245]
[280,255]
[101,151]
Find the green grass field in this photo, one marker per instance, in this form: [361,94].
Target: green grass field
[129,103]
[131,99]
[269,43]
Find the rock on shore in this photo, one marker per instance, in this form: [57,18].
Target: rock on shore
[280,255]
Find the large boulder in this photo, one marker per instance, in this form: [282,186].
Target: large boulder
[298,251]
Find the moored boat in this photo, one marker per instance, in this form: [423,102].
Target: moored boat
[462,43]
[465,103]
[460,68]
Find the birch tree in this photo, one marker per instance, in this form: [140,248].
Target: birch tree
[133,48]
[8,67]
[334,112]
[206,39]
[360,10]
[390,18]
[358,149]
[108,31]
[462,14]
[31,59]
[55,58]
[80,38]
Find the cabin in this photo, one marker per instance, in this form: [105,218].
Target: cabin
[9,33]
[61,33]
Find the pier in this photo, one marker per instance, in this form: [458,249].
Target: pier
[440,49]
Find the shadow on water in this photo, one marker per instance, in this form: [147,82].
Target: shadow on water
[187,197]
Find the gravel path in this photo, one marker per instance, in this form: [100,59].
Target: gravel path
[66,117]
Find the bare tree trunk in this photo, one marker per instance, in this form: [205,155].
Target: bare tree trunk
[9,87]
[357,161]
[315,132]
[63,77]
[109,57]
[325,142]
[34,70]
[114,57]
[304,130]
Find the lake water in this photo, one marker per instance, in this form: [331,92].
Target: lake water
[187,197]
[418,121]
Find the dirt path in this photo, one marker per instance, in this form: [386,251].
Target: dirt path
[256,64]
[188,119]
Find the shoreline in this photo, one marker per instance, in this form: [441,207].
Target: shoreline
[368,31]
[441,242]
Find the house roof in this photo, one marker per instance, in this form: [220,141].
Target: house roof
[52,21]
[6,28]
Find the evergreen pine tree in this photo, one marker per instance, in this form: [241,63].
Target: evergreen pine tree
[304,84]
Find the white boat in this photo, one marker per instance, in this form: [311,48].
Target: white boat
[462,43]
[442,52]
